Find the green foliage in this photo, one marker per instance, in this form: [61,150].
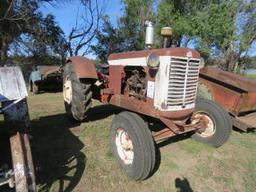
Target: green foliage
[130,33]
[222,31]
[248,35]
[216,27]
[132,29]
[109,41]
[180,16]
[24,31]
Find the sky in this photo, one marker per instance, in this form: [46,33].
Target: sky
[66,13]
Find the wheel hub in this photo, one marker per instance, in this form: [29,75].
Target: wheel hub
[124,146]
[67,90]
[210,127]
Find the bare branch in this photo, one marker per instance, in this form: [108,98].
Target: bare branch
[80,38]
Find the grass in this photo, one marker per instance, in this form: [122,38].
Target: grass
[252,76]
[77,157]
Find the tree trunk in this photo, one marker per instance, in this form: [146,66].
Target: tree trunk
[3,54]
[231,58]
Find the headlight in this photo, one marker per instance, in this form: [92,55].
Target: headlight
[153,61]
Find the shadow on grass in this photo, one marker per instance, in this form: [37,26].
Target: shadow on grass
[102,111]
[183,185]
[57,152]
[50,90]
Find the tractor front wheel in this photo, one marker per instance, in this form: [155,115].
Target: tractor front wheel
[132,145]
[77,94]
[219,126]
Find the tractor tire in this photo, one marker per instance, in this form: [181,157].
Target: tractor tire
[77,94]
[132,145]
[35,88]
[219,126]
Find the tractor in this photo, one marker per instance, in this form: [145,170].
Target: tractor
[157,90]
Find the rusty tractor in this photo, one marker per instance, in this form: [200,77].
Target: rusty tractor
[235,93]
[19,174]
[45,77]
[157,88]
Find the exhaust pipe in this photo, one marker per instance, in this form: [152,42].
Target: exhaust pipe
[149,40]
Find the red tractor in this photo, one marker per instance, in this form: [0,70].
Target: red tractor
[154,87]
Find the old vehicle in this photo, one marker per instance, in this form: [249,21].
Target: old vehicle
[235,93]
[154,87]
[20,172]
[43,77]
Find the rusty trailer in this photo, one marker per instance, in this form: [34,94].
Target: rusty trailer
[235,93]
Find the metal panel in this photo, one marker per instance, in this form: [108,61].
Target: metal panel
[229,79]
[12,84]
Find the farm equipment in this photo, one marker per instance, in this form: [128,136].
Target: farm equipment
[235,93]
[154,87]
[44,77]
[13,93]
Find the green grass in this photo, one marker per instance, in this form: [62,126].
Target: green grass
[77,157]
[251,178]
[252,76]
[193,147]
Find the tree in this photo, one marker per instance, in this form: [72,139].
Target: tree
[45,41]
[212,27]
[180,15]
[130,33]
[132,23]
[23,27]
[14,17]
[109,41]
[83,33]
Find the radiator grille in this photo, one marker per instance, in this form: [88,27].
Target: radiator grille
[183,79]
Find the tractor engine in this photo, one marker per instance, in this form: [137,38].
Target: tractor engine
[136,84]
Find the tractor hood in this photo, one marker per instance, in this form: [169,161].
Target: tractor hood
[178,52]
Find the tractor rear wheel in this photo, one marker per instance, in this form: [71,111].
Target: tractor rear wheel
[132,145]
[219,125]
[77,94]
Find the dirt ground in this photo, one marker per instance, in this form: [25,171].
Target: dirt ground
[76,157]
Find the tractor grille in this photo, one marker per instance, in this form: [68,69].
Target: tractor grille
[183,79]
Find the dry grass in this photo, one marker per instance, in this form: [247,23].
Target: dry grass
[72,157]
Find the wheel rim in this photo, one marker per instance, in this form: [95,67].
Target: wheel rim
[124,146]
[210,127]
[67,90]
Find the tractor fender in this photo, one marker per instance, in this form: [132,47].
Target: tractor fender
[83,67]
